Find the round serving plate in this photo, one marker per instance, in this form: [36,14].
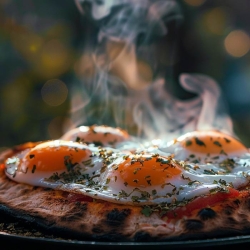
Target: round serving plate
[10,241]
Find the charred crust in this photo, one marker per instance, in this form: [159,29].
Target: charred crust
[206,214]
[193,225]
[109,237]
[231,222]
[228,210]
[247,204]
[115,217]
[142,236]
[236,202]
[97,230]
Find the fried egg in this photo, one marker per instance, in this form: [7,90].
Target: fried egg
[140,178]
[97,135]
[51,158]
[205,147]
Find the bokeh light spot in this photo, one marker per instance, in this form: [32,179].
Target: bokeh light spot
[237,43]
[215,20]
[55,58]
[54,92]
[33,48]
[195,2]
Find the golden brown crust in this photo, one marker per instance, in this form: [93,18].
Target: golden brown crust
[55,211]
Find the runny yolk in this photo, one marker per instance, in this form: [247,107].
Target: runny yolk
[50,156]
[212,142]
[146,171]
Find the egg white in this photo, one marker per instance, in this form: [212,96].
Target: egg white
[97,135]
[190,184]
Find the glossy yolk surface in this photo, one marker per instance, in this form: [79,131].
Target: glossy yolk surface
[52,157]
[212,142]
[146,171]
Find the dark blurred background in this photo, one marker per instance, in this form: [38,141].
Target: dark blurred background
[41,45]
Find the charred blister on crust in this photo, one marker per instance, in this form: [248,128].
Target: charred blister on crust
[206,214]
[193,225]
[115,217]
[237,202]
[229,210]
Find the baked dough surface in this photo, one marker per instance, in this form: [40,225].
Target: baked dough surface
[65,215]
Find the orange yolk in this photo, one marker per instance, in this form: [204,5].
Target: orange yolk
[53,157]
[147,171]
[212,142]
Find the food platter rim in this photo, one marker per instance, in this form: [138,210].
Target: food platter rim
[182,243]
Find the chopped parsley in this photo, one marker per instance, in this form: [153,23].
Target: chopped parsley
[188,143]
[33,169]
[217,143]
[199,142]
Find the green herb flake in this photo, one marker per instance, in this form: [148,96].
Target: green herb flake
[217,143]
[211,172]
[185,178]
[68,163]
[227,140]
[154,192]
[195,161]
[222,152]
[136,170]
[196,167]
[78,139]
[135,198]
[187,166]
[33,169]
[125,157]
[199,142]
[147,211]
[215,157]
[123,194]
[193,182]
[188,143]
[98,143]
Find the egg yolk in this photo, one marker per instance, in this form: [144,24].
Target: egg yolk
[212,142]
[54,156]
[146,171]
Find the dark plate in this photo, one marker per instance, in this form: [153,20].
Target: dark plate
[9,241]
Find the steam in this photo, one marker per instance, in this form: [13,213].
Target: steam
[128,88]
